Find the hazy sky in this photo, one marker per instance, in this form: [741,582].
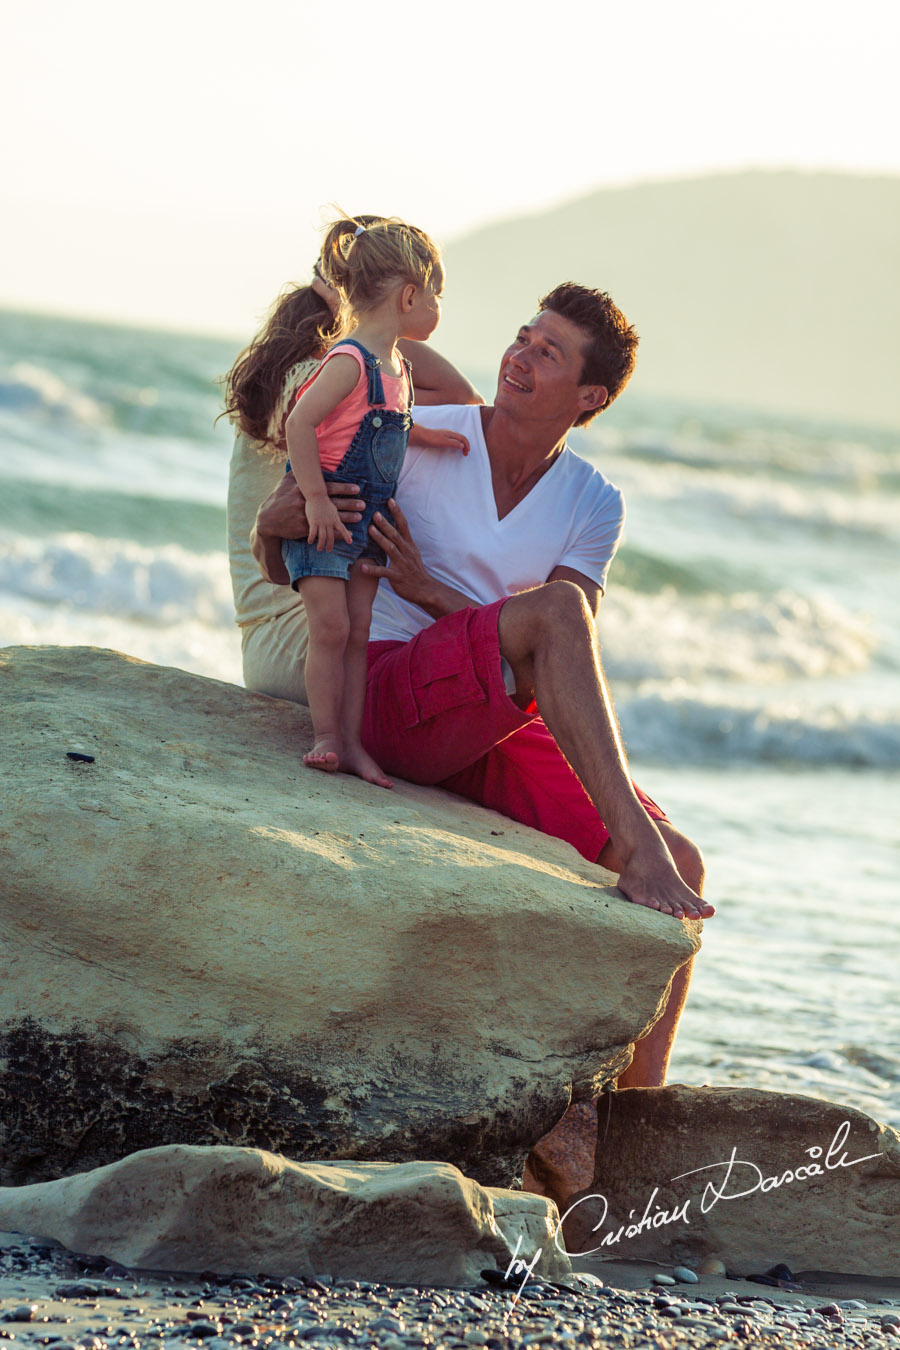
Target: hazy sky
[169,163]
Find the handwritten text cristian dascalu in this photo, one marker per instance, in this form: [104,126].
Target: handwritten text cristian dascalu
[730,1183]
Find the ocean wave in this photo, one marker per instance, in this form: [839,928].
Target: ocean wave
[188,645]
[113,577]
[33,396]
[32,389]
[743,637]
[749,441]
[670,727]
[720,497]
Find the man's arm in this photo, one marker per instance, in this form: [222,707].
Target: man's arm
[411,581]
[283,516]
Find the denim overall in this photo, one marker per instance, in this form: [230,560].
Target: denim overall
[372,462]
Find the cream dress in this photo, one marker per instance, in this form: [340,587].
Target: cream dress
[271,618]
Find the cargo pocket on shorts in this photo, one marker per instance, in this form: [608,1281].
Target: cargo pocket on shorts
[443,678]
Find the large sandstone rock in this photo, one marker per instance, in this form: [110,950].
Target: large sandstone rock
[203,942]
[669,1154]
[239,1209]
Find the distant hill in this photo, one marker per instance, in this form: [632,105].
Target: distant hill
[778,290]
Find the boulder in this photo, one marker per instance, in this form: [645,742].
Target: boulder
[755,1178]
[227,1210]
[203,942]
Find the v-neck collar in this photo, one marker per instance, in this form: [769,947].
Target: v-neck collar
[487,466]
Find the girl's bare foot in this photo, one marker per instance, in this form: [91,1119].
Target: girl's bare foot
[325,754]
[355,760]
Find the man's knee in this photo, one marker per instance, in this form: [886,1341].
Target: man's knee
[563,601]
[551,611]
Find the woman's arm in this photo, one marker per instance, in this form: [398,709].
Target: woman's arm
[436,380]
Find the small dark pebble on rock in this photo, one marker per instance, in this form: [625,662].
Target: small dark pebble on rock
[23,1312]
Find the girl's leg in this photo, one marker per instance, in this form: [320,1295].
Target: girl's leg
[354,759]
[325,600]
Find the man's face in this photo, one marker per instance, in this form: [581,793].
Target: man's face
[540,372]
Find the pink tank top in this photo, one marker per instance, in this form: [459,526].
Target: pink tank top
[336,431]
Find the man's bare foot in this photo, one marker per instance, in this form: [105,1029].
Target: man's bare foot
[654,882]
[325,754]
[355,760]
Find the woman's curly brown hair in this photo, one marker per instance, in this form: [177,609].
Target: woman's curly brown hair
[300,327]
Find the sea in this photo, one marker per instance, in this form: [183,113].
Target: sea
[750,631]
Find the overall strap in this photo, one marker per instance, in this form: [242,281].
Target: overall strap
[407,366]
[376,388]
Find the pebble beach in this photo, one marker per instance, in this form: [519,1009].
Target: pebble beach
[49,1296]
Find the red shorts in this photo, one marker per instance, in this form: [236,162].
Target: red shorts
[437,712]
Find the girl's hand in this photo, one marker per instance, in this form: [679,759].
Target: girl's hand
[437,438]
[325,523]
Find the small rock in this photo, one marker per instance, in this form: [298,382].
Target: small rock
[829,1310]
[202,1329]
[480,1304]
[889,1320]
[385,1323]
[664,1279]
[22,1312]
[685,1276]
[78,1289]
[711,1265]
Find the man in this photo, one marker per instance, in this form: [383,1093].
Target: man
[458,665]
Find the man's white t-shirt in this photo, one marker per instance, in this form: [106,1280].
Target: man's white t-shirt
[572,517]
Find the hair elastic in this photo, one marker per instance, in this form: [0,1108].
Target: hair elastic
[360,229]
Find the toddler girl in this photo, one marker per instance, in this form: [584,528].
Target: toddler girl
[351,421]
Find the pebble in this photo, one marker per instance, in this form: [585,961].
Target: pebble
[685,1276]
[23,1312]
[243,1312]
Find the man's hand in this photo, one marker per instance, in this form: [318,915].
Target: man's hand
[437,438]
[406,573]
[283,516]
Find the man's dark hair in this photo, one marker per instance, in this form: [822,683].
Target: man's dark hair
[609,354]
